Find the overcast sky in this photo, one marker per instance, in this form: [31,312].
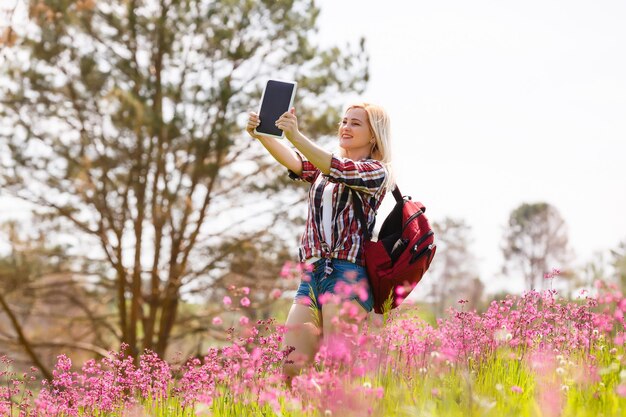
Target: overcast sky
[497,103]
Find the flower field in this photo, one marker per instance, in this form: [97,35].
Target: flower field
[530,355]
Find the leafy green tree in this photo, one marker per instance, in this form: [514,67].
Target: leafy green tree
[535,242]
[122,121]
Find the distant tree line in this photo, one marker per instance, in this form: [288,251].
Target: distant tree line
[535,244]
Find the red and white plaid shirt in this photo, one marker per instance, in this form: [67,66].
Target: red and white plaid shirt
[367,177]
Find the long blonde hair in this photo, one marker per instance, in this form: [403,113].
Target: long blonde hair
[380,126]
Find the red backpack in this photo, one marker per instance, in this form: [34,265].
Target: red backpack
[402,253]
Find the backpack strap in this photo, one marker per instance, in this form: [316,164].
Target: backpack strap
[358,209]
[397,194]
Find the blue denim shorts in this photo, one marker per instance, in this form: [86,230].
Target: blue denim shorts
[347,279]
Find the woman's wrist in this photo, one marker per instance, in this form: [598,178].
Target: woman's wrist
[296,137]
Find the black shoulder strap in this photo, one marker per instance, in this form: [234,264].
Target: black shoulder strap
[397,194]
[358,209]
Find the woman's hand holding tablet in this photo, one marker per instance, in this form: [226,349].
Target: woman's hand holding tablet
[277,99]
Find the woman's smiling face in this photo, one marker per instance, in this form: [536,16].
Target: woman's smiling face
[355,135]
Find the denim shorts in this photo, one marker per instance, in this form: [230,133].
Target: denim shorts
[347,280]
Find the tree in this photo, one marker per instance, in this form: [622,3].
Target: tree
[42,299]
[123,122]
[454,271]
[535,242]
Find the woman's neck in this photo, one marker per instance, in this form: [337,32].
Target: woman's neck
[357,154]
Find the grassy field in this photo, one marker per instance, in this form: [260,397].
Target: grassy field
[530,355]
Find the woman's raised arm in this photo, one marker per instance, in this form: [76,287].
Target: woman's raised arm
[317,155]
[276,147]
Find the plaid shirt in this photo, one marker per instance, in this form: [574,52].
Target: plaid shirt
[367,177]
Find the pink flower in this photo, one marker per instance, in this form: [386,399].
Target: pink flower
[349,309]
[554,273]
[362,293]
[517,389]
[275,294]
[305,301]
[227,301]
[350,275]
[285,272]
[244,321]
[621,390]
[245,302]
[217,321]
[246,290]
[343,289]
[328,297]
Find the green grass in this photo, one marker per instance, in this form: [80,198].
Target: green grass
[462,391]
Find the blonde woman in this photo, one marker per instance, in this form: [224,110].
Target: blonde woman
[332,242]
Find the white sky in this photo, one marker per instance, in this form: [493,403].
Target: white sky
[496,103]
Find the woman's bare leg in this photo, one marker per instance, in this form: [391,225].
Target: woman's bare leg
[303,334]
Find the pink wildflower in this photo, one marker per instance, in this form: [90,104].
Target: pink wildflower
[245,302]
[244,321]
[362,293]
[285,272]
[351,275]
[343,289]
[517,389]
[328,297]
[227,301]
[304,267]
[621,390]
[246,290]
[554,273]
[349,309]
[275,294]
[217,321]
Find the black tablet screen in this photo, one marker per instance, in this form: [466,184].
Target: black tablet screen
[276,100]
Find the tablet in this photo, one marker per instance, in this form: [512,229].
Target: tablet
[277,99]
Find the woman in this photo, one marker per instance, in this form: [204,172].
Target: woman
[332,243]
